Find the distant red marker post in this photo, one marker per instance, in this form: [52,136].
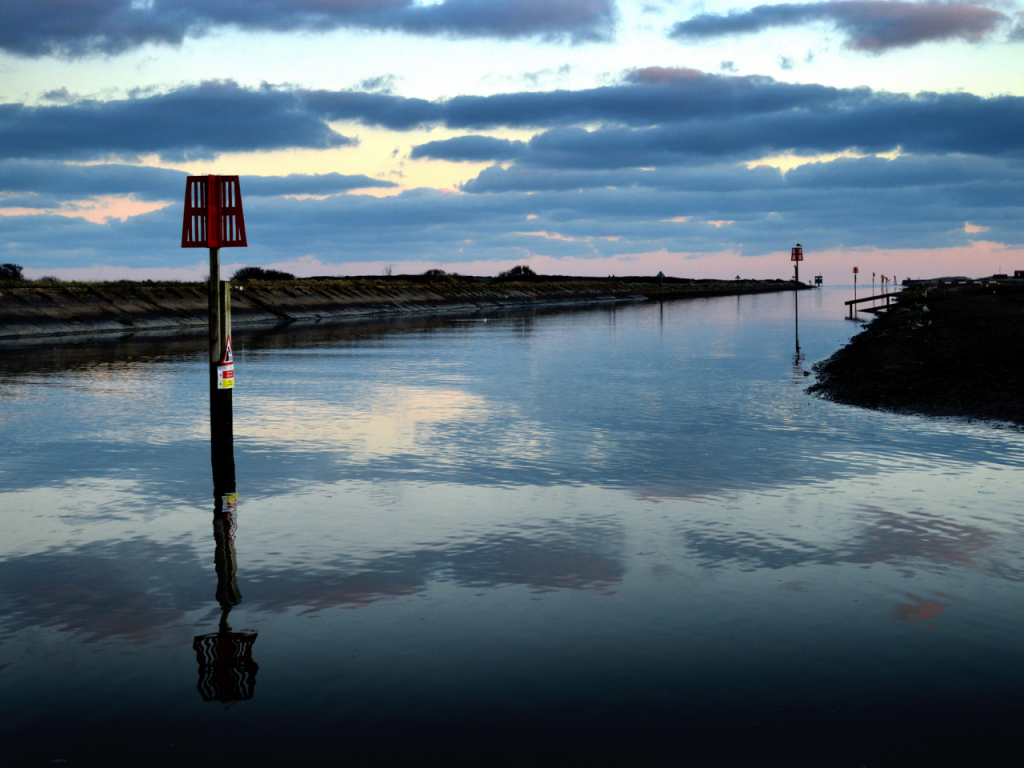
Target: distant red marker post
[796,256]
[213,219]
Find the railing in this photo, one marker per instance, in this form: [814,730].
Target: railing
[874,297]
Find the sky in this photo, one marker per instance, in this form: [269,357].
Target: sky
[586,137]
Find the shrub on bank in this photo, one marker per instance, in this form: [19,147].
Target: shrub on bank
[259,273]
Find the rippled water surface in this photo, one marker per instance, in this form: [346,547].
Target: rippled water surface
[596,535]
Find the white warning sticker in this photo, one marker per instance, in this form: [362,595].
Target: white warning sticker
[226,376]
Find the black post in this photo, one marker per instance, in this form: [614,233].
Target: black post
[222,454]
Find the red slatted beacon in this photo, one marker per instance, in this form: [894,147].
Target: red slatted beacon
[213,213]
[796,256]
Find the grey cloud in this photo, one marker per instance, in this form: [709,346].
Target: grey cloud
[843,173]
[199,121]
[54,27]
[48,184]
[683,112]
[379,84]
[394,112]
[74,182]
[928,123]
[869,25]
[906,203]
[470,148]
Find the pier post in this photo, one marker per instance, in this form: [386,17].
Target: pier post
[214,297]
[222,454]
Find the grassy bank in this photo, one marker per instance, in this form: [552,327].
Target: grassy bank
[44,308]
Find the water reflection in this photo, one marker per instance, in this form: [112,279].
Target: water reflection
[798,356]
[881,536]
[227,671]
[511,402]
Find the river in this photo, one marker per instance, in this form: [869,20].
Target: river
[597,534]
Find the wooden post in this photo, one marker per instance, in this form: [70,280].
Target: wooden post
[214,297]
[224,316]
[222,453]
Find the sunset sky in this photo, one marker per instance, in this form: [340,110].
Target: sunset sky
[579,136]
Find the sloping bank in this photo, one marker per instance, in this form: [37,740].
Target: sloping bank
[40,309]
[943,352]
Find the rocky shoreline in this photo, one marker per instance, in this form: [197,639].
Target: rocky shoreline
[939,351]
[30,310]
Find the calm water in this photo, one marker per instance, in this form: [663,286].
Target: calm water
[591,535]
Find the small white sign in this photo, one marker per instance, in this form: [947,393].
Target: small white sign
[226,376]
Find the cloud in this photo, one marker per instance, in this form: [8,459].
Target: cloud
[193,122]
[379,84]
[909,202]
[469,148]
[47,184]
[863,122]
[656,115]
[636,167]
[309,184]
[874,26]
[53,27]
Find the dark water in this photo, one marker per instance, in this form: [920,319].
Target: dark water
[593,536]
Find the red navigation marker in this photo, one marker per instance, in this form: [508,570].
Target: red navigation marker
[213,213]
[855,270]
[797,254]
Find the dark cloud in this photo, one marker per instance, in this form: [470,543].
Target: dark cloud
[682,113]
[871,123]
[910,202]
[198,121]
[394,112]
[379,84]
[662,154]
[55,27]
[49,184]
[869,25]
[470,148]
[75,182]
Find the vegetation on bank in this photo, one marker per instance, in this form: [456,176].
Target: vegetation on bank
[258,277]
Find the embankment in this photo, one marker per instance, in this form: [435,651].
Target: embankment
[956,351]
[65,309]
